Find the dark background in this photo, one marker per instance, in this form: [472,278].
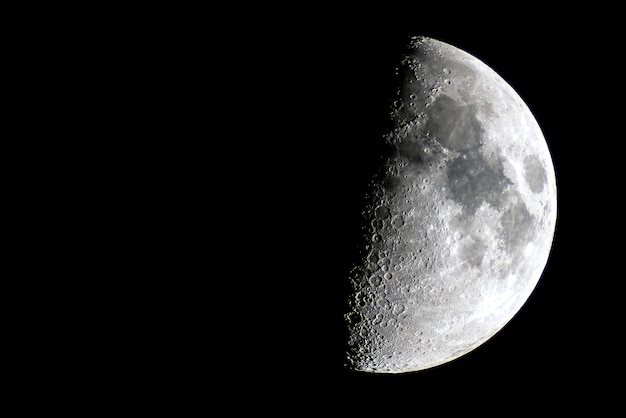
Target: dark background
[247,141]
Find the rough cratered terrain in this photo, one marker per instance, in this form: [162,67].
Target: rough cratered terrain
[460,221]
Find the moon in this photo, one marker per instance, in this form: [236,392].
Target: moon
[460,220]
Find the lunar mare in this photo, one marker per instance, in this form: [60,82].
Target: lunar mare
[461,218]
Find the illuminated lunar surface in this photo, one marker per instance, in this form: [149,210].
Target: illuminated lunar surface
[461,219]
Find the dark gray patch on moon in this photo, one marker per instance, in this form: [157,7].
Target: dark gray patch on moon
[453,124]
[411,152]
[516,225]
[534,173]
[473,181]
[394,183]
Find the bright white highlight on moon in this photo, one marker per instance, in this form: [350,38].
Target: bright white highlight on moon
[461,218]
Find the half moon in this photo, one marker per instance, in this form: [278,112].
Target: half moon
[461,219]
